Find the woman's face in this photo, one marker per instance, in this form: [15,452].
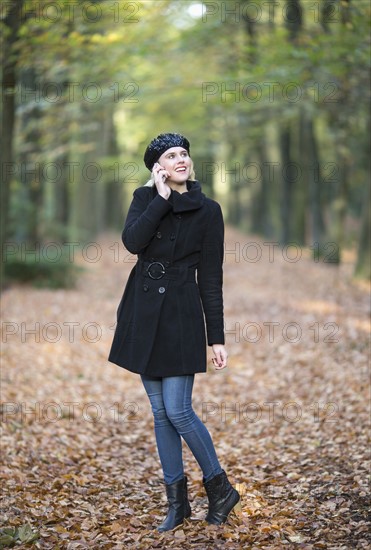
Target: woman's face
[178,163]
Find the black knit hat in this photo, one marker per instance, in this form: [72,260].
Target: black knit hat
[162,143]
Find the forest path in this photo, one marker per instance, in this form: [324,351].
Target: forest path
[289,416]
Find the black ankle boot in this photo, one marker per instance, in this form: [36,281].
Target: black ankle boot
[222,498]
[179,507]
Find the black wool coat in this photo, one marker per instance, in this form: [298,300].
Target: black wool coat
[164,321]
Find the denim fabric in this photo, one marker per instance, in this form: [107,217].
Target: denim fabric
[174,417]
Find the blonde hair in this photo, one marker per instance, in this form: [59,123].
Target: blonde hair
[192,177]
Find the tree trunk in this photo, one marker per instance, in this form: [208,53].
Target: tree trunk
[272,15]
[260,215]
[12,23]
[312,184]
[294,18]
[61,195]
[327,8]
[31,173]
[287,179]
[363,267]
[113,199]
[345,12]
[340,207]
[250,26]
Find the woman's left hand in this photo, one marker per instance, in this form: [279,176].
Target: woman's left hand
[220,359]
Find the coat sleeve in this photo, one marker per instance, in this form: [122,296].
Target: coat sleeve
[210,277]
[143,219]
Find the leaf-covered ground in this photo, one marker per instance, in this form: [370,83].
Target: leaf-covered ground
[289,416]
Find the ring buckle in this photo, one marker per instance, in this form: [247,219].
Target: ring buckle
[160,270]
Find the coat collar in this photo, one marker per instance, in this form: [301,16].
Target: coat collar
[189,200]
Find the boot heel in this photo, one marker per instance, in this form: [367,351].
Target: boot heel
[237,508]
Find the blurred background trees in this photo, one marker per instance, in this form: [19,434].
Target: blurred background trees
[273,95]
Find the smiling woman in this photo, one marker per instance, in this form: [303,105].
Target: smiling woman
[178,234]
[174,165]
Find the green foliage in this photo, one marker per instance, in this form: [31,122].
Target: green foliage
[12,536]
[151,68]
[41,272]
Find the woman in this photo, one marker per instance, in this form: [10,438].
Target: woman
[177,232]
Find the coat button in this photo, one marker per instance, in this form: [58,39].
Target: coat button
[179,216]
[159,234]
[172,236]
[145,288]
[161,289]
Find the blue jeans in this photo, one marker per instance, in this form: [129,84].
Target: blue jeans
[174,417]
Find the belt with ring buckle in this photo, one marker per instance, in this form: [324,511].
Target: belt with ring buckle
[156,270]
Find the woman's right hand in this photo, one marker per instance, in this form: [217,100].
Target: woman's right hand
[160,175]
